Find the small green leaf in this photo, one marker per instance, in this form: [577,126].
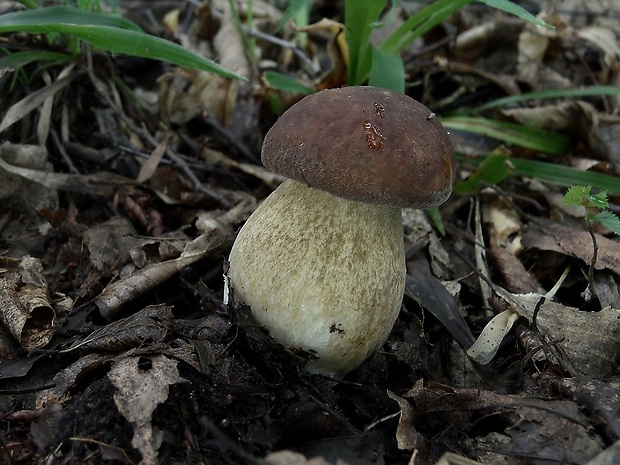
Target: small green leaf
[577,195]
[286,83]
[609,220]
[599,200]
[493,169]
[435,215]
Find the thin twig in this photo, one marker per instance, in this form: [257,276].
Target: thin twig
[306,61]
[63,153]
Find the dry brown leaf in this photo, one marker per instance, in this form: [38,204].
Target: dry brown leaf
[498,426]
[142,384]
[186,93]
[407,437]
[109,243]
[229,46]
[583,343]
[214,228]
[333,33]
[532,48]
[150,325]
[65,380]
[24,305]
[605,39]
[575,242]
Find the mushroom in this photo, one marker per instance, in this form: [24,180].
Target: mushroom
[321,261]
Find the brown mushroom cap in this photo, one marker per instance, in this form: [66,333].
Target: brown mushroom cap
[365,144]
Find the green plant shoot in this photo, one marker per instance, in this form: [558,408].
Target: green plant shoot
[596,205]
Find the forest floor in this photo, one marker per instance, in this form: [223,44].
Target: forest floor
[121,194]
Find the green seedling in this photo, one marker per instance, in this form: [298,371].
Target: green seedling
[597,211]
[596,205]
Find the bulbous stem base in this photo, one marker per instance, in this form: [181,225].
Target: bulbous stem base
[321,273]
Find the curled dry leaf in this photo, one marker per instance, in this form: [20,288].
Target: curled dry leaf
[65,380]
[185,94]
[24,304]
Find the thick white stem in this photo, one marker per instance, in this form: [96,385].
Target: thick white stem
[321,273]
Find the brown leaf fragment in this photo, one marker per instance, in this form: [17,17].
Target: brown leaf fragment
[407,437]
[575,242]
[66,379]
[109,243]
[24,305]
[150,325]
[424,288]
[32,101]
[610,456]
[9,348]
[142,384]
[584,343]
[118,293]
[514,274]
[600,399]
[498,426]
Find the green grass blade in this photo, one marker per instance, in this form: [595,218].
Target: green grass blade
[293,8]
[590,91]
[59,19]
[420,23]
[359,18]
[143,45]
[565,175]
[387,71]
[554,173]
[19,59]
[285,83]
[523,136]
[111,33]
[517,11]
